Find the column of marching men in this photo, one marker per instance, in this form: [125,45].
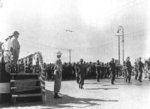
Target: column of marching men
[100,70]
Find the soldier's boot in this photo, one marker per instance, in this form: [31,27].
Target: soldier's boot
[79,85]
[56,95]
[82,87]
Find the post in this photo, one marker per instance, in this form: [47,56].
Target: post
[119,48]
[122,44]
[121,30]
[70,55]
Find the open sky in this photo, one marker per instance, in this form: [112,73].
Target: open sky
[43,23]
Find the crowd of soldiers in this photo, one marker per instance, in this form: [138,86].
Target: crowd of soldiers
[70,70]
[101,70]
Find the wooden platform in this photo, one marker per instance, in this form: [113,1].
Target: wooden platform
[27,87]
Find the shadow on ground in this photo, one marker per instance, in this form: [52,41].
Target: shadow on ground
[92,83]
[100,88]
[71,102]
[65,102]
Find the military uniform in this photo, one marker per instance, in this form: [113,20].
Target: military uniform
[129,70]
[81,74]
[57,76]
[112,70]
[136,70]
[77,70]
[98,71]
[140,69]
[15,46]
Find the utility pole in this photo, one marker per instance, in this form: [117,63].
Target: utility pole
[70,31]
[70,55]
[119,48]
[122,44]
[121,33]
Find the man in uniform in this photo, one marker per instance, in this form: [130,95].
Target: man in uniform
[112,70]
[129,69]
[15,47]
[98,70]
[81,74]
[140,69]
[136,69]
[57,75]
[148,67]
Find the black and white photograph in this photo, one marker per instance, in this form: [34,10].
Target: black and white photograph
[74,54]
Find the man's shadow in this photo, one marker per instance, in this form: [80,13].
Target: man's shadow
[64,102]
[71,102]
[101,88]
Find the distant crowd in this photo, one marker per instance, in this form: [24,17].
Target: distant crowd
[101,70]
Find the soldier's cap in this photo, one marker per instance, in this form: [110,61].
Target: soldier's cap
[59,53]
[15,33]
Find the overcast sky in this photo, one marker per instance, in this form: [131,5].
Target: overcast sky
[43,23]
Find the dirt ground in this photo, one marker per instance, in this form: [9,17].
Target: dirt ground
[96,95]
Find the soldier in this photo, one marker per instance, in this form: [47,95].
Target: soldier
[81,74]
[140,69]
[148,67]
[77,70]
[98,70]
[112,70]
[129,69]
[57,75]
[15,47]
[136,69]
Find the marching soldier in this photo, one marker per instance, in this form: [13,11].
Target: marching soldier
[98,70]
[148,67]
[77,70]
[81,74]
[140,69]
[129,69]
[57,75]
[112,70]
[136,69]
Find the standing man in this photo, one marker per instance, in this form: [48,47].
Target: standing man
[112,70]
[129,69]
[57,75]
[81,74]
[15,47]
[77,70]
[98,71]
[140,69]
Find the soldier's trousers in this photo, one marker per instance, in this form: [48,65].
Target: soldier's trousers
[128,76]
[57,81]
[112,77]
[81,80]
[98,75]
[136,74]
[77,77]
[140,76]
